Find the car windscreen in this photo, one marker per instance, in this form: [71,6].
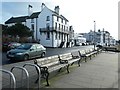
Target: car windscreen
[24,46]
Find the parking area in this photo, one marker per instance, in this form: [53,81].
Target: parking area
[100,72]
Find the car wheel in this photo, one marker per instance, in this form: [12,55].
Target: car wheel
[43,54]
[26,57]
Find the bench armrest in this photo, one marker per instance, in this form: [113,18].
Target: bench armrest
[63,61]
[44,70]
[74,57]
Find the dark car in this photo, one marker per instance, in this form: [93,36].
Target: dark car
[10,45]
[26,51]
[99,46]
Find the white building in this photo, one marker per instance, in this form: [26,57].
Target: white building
[79,39]
[99,38]
[50,28]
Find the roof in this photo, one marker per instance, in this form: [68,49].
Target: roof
[55,13]
[34,15]
[63,17]
[16,19]
[22,18]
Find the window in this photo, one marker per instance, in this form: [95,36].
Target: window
[61,20]
[32,27]
[48,18]
[65,22]
[33,47]
[57,18]
[62,27]
[55,25]
[66,28]
[48,36]
[59,26]
[56,35]
[48,26]
[64,37]
[32,20]
[39,46]
[59,36]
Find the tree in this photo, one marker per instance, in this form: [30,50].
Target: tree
[20,30]
[4,30]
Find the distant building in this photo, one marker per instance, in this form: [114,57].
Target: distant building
[79,39]
[48,26]
[99,38]
[71,36]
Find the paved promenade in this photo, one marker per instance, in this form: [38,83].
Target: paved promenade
[99,72]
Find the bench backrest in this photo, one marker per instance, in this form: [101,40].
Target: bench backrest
[75,54]
[65,56]
[82,52]
[48,61]
[87,51]
[91,50]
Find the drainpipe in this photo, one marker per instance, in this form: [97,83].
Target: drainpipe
[52,32]
[36,29]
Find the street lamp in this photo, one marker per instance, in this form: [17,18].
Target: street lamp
[94,33]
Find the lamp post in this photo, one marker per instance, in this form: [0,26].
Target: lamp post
[94,33]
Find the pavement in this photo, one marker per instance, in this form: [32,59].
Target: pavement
[99,72]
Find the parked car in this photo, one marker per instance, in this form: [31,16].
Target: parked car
[10,45]
[99,46]
[26,51]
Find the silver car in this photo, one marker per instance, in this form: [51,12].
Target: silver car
[26,51]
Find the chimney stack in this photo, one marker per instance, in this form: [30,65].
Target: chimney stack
[30,10]
[42,6]
[57,9]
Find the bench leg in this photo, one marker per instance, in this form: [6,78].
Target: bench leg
[85,59]
[47,75]
[59,70]
[90,57]
[68,68]
[72,63]
[79,62]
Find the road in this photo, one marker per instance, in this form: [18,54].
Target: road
[49,52]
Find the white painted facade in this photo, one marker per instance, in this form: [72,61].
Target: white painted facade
[79,39]
[48,30]
[101,38]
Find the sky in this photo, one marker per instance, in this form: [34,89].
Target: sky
[80,13]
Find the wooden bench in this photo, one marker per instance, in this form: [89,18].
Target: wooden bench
[82,54]
[86,54]
[48,65]
[98,50]
[93,52]
[70,58]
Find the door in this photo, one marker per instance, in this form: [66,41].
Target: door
[33,51]
[39,50]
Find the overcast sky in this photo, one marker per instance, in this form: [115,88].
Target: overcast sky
[80,13]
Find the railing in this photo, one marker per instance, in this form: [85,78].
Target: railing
[54,29]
